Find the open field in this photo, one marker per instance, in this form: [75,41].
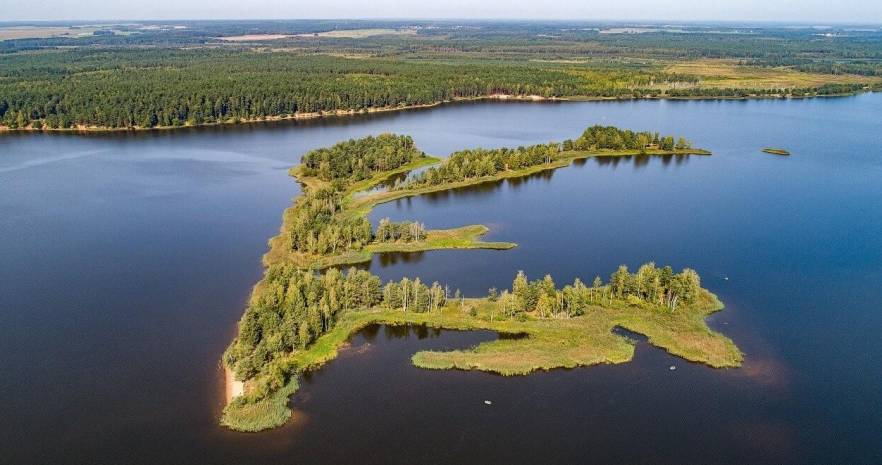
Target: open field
[254,37]
[362,33]
[729,74]
[336,34]
[36,32]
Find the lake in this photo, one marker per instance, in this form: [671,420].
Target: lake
[126,260]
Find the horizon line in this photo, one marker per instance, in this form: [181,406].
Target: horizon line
[795,22]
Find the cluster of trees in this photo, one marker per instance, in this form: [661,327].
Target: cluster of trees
[291,309]
[656,285]
[612,138]
[404,231]
[650,285]
[544,299]
[476,163]
[315,227]
[358,159]
[414,296]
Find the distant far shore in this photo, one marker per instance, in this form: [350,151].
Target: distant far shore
[353,112]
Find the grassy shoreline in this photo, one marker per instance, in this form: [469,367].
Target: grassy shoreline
[545,344]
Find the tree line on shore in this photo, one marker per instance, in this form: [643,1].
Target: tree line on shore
[291,309]
[169,88]
[156,87]
[404,231]
[316,228]
[477,163]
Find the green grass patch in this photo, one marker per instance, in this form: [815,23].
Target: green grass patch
[270,412]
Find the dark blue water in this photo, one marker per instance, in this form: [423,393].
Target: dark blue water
[125,261]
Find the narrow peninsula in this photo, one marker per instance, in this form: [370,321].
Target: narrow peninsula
[299,317]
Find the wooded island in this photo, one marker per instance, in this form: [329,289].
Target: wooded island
[298,317]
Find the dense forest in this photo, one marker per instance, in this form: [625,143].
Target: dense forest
[145,89]
[315,227]
[767,44]
[292,309]
[358,159]
[136,76]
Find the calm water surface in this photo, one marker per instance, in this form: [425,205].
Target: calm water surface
[125,261]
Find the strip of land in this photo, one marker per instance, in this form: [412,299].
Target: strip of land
[298,319]
[465,237]
[545,344]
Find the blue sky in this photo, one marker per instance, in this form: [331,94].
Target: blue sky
[817,11]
